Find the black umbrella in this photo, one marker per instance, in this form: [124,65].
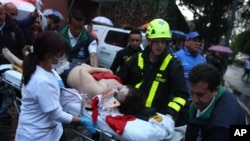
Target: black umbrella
[178,35]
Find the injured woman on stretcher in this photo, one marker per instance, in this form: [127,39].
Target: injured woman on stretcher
[116,108]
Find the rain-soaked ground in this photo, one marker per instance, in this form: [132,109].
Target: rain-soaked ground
[240,87]
[245,99]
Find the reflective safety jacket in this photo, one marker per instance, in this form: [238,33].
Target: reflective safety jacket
[162,82]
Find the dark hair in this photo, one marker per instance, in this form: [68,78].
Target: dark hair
[90,24]
[205,73]
[55,18]
[76,14]
[46,43]
[56,21]
[133,102]
[135,31]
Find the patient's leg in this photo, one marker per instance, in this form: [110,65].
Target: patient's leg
[11,57]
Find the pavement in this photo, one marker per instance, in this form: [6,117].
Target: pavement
[235,84]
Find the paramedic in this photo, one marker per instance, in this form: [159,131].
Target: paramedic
[41,114]
[157,73]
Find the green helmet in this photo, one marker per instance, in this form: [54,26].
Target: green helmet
[158,28]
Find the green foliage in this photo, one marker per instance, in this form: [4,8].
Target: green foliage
[241,42]
[239,62]
[245,15]
[210,18]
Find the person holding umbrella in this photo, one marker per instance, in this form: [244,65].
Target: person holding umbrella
[189,56]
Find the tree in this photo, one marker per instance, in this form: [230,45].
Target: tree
[231,22]
[241,42]
[244,13]
[210,18]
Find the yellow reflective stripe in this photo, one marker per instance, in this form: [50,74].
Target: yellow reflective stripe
[159,75]
[165,62]
[140,61]
[155,84]
[174,106]
[140,64]
[138,85]
[180,101]
[152,93]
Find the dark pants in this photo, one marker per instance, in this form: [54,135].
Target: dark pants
[246,73]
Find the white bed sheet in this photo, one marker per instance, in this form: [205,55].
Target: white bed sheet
[10,76]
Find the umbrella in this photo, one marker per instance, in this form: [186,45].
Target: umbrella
[102,20]
[47,12]
[178,35]
[220,48]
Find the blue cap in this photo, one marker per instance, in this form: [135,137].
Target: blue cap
[192,35]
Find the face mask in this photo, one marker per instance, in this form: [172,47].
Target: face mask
[60,62]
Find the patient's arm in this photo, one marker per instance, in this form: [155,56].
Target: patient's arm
[11,57]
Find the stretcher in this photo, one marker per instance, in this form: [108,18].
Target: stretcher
[73,102]
[12,82]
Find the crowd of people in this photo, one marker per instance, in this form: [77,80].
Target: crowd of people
[176,84]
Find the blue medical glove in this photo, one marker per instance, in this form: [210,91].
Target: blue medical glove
[88,123]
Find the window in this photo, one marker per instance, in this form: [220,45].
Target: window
[117,38]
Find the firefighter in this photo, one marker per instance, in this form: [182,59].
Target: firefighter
[157,72]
